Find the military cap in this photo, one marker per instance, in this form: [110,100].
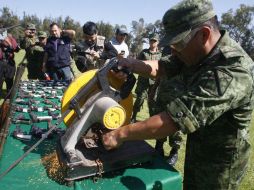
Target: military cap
[42,34]
[154,36]
[30,26]
[121,31]
[183,17]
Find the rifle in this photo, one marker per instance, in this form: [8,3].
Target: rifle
[10,97]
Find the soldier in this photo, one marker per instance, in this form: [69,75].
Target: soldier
[118,41]
[8,46]
[206,92]
[94,50]
[144,85]
[56,61]
[37,54]
[28,43]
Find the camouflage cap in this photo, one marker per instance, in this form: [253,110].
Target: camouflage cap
[42,34]
[186,15]
[154,36]
[30,26]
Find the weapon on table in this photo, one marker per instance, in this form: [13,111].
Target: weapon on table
[21,121]
[54,105]
[19,134]
[35,118]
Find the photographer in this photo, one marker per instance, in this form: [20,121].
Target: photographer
[8,45]
[118,41]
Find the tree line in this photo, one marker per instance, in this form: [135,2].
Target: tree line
[238,23]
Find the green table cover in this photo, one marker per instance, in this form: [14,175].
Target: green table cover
[40,170]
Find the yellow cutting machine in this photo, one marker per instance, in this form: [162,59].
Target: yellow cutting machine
[94,102]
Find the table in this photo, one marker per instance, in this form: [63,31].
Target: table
[41,170]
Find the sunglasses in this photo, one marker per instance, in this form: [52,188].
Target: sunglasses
[179,46]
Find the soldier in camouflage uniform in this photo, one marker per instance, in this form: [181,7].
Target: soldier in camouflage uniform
[144,85]
[206,92]
[29,43]
[94,50]
[37,54]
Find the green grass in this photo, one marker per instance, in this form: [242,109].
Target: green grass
[248,181]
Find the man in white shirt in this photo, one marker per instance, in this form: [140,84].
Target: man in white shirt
[118,41]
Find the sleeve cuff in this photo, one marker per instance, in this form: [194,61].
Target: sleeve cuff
[182,116]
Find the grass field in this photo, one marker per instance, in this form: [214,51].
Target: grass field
[248,182]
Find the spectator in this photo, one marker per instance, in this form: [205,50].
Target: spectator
[56,61]
[118,41]
[94,50]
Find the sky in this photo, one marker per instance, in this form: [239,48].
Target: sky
[121,12]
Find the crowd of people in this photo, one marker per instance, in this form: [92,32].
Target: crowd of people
[201,87]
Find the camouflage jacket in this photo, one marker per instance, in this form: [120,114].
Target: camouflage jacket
[146,54]
[212,102]
[29,44]
[103,47]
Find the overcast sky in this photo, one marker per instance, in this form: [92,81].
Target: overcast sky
[111,11]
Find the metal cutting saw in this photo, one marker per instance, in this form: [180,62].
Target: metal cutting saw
[94,103]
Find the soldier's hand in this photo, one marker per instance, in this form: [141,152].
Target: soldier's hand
[95,54]
[110,140]
[127,62]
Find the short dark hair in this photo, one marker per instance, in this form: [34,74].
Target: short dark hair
[90,28]
[53,24]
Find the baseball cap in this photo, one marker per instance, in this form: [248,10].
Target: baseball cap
[42,34]
[183,17]
[30,26]
[121,31]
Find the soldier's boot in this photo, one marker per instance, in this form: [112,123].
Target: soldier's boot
[173,157]
[159,147]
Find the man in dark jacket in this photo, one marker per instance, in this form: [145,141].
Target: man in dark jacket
[56,61]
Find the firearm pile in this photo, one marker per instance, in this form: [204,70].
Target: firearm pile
[37,104]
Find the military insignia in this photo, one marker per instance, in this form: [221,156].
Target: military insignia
[216,82]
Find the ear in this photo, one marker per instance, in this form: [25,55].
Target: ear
[206,33]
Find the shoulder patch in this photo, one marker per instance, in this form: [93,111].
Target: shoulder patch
[215,82]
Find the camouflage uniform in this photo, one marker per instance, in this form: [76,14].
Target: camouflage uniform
[144,85]
[210,101]
[30,45]
[84,61]
[36,58]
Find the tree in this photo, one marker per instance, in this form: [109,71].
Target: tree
[239,24]
[138,32]
[105,29]
[8,19]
